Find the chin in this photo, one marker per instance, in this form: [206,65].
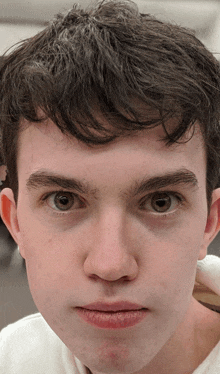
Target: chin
[116,359]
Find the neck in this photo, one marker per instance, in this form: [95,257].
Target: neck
[191,343]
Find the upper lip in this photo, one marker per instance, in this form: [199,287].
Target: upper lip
[113,307]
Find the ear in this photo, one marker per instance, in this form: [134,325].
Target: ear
[9,212]
[213,223]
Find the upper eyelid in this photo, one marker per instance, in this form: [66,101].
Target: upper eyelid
[143,199]
[68,211]
[48,194]
[169,192]
[181,199]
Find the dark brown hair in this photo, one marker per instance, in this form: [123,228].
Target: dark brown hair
[110,57]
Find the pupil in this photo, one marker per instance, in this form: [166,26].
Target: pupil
[161,203]
[63,200]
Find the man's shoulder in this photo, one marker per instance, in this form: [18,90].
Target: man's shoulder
[30,344]
[32,327]
[30,320]
[211,365]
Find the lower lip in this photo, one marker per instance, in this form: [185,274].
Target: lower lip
[112,320]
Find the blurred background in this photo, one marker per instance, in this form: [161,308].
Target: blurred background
[22,19]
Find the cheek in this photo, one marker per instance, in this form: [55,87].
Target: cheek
[51,265]
[170,260]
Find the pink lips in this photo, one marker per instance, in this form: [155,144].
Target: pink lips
[112,316]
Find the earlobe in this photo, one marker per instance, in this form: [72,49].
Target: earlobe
[9,212]
[213,223]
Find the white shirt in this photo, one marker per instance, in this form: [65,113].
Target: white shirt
[29,346]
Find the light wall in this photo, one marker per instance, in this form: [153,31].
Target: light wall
[12,33]
[24,18]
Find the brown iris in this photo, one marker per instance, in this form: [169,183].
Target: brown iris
[161,202]
[64,200]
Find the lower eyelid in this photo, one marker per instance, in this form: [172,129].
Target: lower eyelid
[58,212]
[45,198]
[179,197]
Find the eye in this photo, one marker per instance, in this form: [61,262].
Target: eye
[161,202]
[64,201]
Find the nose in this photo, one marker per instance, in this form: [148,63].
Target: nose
[110,256]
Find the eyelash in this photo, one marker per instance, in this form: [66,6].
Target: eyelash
[180,202]
[44,199]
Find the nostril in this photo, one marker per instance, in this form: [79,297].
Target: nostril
[123,279]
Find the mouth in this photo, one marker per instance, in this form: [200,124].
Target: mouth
[112,316]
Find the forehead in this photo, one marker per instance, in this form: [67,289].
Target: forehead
[43,146]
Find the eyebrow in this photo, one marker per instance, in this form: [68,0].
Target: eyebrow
[180,177]
[46,178]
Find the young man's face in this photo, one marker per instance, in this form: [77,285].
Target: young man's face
[128,227]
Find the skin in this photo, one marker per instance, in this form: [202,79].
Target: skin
[107,248]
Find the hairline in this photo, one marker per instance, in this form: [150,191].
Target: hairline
[23,126]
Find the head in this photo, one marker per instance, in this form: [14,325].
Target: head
[110,133]
[107,59]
